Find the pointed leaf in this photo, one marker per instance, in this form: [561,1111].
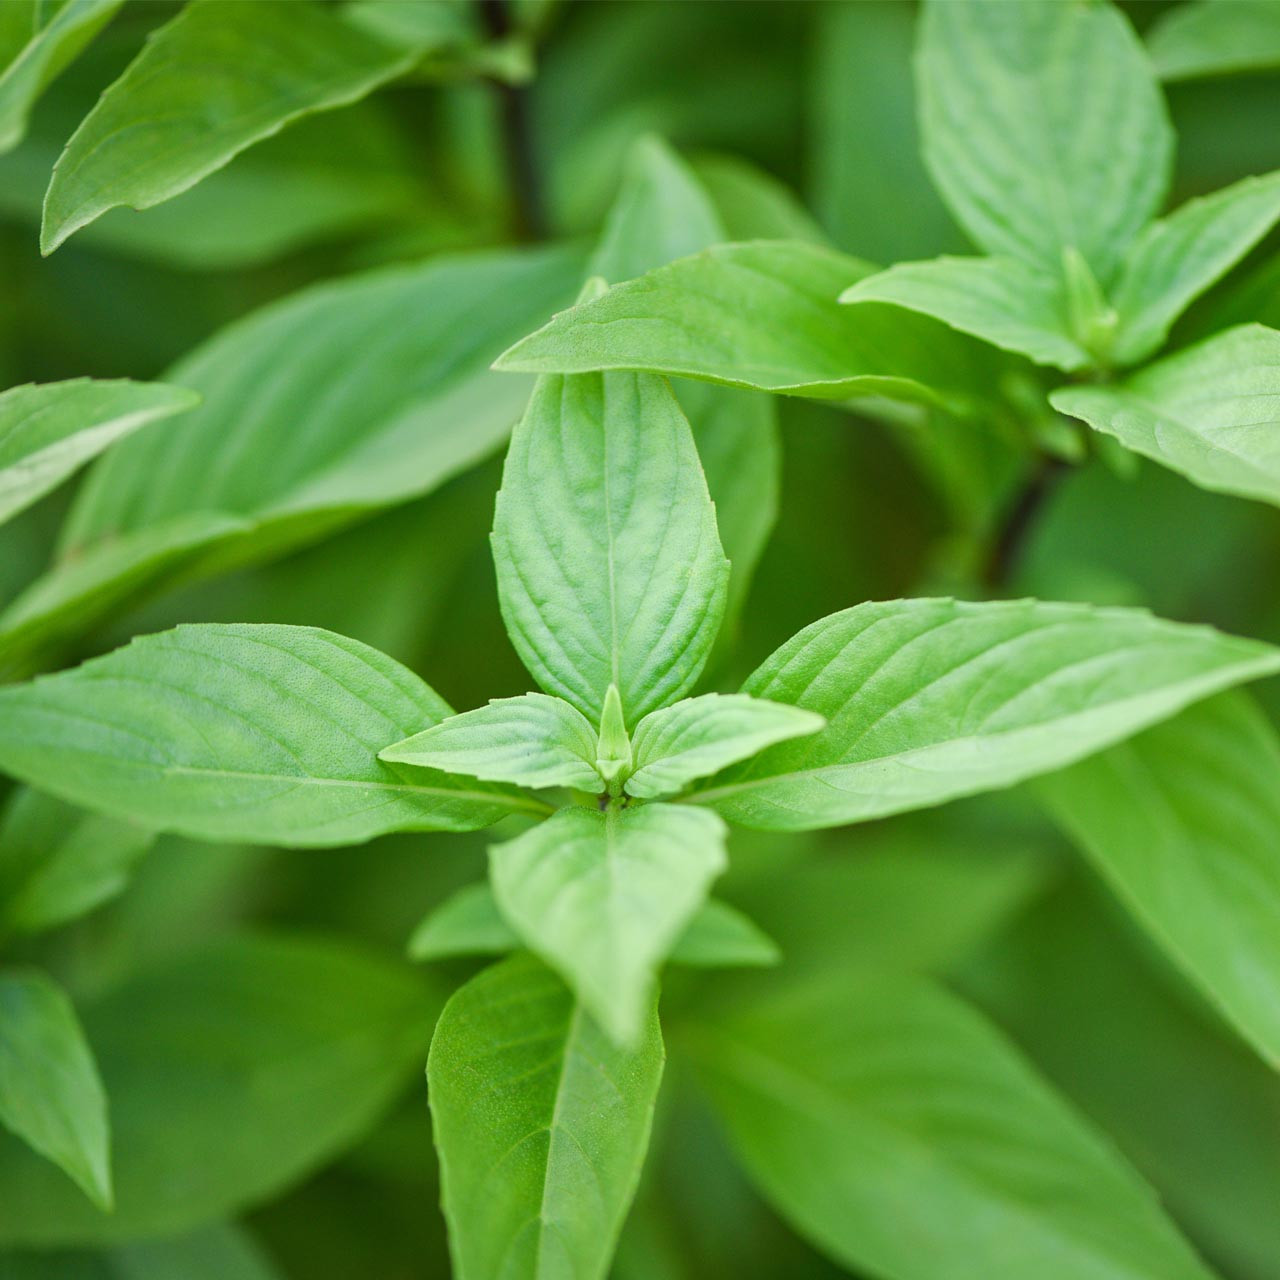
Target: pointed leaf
[1182,821]
[1211,412]
[609,566]
[1215,37]
[57,863]
[531,741]
[1003,301]
[762,316]
[541,1123]
[721,937]
[902,1135]
[50,1093]
[211,82]
[751,204]
[1177,258]
[603,896]
[928,700]
[699,736]
[1043,127]
[50,44]
[234,1070]
[261,733]
[47,431]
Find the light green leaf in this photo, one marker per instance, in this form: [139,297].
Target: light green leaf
[211,82]
[49,46]
[1211,412]
[609,566]
[1182,821]
[699,736]
[613,748]
[316,410]
[234,1071]
[1177,258]
[901,1134]
[221,1252]
[50,1093]
[661,213]
[1005,301]
[541,1123]
[763,316]
[262,733]
[603,896]
[1215,37]
[532,741]
[928,700]
[48,431]
[57,863]
[469,923]
[1043,127]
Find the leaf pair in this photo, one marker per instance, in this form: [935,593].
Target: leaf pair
[1045,132]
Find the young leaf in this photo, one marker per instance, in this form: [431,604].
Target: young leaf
[1182,821]
[1177,258]
[928,700]
[602,897]
[699,736]
[50,45]
[1043,127]
[214,80]
[541,1123]
[751,204]
[261,733]
[613,749]
[47,431]
[50,1093]
[57,863]
[1211,412]
[338,400]
[234,1071]
[762,316]
[1004,301]
[1215,37]
[902,1135]
[609,566]
[469,923]
[532,741]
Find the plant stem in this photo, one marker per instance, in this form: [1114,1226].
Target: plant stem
[1020,519]
[528,214]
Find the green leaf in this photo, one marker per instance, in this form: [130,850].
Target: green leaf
[613,749]
[609,566]
[603,896]
[928,700]
[1177,258]
[234,1071]
[699,736]
[901,1134]
[1004,301]
[1210,412]
[50,1093]
[57,863]
[541,1123]
[341,399]
[1182,822]
[47,431]
[763,316]
[222,1252]
[1043,127]
[1215,37]
[262,733]
[532,741]
[214,80]
[469,923]
[661,213]
[751,204]
[49,46]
